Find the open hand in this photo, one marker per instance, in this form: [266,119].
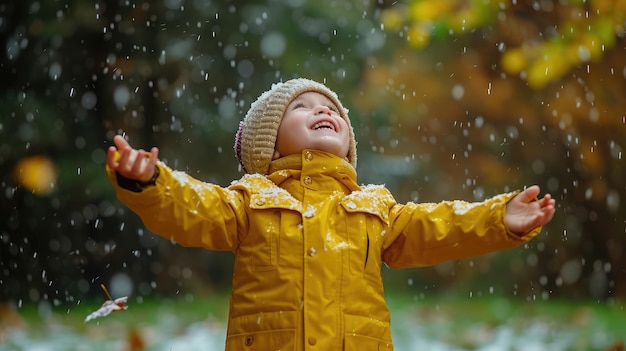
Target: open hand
[132,164]
[526,212]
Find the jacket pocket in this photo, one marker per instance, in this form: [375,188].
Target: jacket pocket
[367,217]
[366,333]
[366,232]
[261,244]
[365,343]
[262,341]
[262,332]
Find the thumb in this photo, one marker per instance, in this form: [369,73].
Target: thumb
[120,142]
[530,194]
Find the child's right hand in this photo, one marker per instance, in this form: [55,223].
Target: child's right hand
[131,163]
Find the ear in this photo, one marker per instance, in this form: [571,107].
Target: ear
[276,155]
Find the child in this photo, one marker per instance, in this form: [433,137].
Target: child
[309,241]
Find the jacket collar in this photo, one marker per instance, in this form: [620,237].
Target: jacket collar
[314,170]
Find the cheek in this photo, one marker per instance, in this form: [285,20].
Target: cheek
[347,129]
[282,129]
[285,137]
[346,144]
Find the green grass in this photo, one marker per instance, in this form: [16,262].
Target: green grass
[155,319]
[457,323]
[468,322]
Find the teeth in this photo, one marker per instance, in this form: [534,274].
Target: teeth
[324,124]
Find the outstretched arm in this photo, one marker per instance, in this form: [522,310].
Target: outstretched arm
[177,206]
[526,212]
[132,164]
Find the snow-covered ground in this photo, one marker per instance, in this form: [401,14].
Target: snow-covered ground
[204,336]
[413,329]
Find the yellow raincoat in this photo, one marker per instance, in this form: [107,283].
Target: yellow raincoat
[309,245]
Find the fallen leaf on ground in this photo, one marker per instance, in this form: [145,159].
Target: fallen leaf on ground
[108,307]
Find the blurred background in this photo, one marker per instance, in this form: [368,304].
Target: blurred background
[449,99]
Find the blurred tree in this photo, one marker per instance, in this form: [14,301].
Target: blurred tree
[489,96]
[544,39]
[176,74]
[54,243]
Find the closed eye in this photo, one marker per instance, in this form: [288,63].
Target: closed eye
[299,104]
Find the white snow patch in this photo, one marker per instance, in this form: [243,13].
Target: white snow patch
[332,244]
[310,211]
[461,207]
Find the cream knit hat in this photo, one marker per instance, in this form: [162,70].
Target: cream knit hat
[256,138]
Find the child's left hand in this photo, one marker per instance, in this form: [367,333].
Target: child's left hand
[525,212]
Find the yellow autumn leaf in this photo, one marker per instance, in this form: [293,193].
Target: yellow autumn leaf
[392,19]
[37,174]
[428,10]
[418,37]
[514,61]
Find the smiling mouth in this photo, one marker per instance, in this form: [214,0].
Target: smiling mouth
[324,125]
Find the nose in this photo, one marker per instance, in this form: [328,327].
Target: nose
[321,109]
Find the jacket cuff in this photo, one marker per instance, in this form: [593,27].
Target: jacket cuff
[135,185]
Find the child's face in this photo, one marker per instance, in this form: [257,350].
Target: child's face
[312,121]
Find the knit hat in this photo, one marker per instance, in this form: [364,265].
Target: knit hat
[256,138]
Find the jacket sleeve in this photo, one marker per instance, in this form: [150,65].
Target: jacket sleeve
[427,234]
[186,210]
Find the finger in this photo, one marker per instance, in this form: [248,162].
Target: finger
[152,160]
[546,217]
[547,201]
[154,156]
[153,153]
[547,211]
[137,167]
[530,194]
[120,142]
[124,157]
[111,162]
